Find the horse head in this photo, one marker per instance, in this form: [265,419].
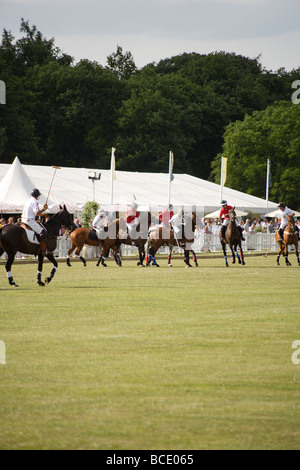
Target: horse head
[291,222]
[63,217]
[232,215]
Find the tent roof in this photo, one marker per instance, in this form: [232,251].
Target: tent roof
[72,186]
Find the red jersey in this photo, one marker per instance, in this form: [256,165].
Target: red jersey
[165,216]
[225,212]
[131,216]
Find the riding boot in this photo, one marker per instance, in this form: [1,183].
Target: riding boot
[241,231]
[280,232]
[222,233]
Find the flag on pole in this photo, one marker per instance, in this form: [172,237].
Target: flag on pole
[171,165]
[113,164]
[223,171]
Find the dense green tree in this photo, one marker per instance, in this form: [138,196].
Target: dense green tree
[62,113]
[121,64]
[274,134]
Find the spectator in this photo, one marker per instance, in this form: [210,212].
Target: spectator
[77,223]
[247,226]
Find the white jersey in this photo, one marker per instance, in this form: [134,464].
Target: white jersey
[100,221]
[30,210]
[283,215]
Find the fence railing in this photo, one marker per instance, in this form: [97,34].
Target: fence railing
[204,243]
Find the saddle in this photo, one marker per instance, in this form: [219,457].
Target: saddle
[31,235]
[93,235]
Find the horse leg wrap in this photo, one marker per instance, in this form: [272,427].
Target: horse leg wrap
[39,279]
[10,278]
[52,274]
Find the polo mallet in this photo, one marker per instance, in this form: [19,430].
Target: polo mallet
[56,168]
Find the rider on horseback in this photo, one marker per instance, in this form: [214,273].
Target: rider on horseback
[225,212]
[132,219]
[283,216]
[99,224]
[30,212]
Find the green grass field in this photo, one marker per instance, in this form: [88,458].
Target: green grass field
[133,358]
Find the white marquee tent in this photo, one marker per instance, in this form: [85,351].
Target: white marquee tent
[72,187]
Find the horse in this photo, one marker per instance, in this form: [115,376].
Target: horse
[13,238]
[118,235]
[290,237]
[84,236]
[233,238]
[167,236]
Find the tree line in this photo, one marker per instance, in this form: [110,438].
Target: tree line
[199,106]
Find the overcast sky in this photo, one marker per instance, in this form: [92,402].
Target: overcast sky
[156,29]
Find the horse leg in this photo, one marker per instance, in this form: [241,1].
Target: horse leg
[8,265]
[195,259]
[54,270]
[278,257]
[152,258]
[242,255]
[297,251]
[101,259]
[142,256]
[40,270]
[237,254]
[187,258]
[225,255]
[170,256]
[77,253]
[232,252]
[73,246]
[286,255]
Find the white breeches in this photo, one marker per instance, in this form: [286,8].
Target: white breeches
[37,228]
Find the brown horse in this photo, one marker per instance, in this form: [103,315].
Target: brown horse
[290,237]
[13,238]
[233,238]
[166,236]
[84,236]
[118,235]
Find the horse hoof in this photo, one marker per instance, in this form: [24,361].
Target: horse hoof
[243,263]
[68,263]
[14,285]
[170,265]
[48,280]
[41,284]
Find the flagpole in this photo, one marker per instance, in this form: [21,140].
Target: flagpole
[112,175]
[267,185]
[221,180]
[170,176]
[223,175]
